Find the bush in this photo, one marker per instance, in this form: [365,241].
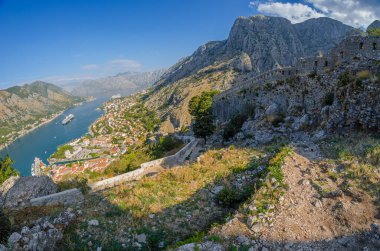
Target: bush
[312,74]
[200,107]
[234,126]
[374,32]
[77,182]
[5,227]
[165,145]
[373,155]
[6,169]
[363,75]
[344,79]
[231,197]
[329,99]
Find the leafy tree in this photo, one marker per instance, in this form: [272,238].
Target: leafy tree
[374,32]
[6,169]
[200,107]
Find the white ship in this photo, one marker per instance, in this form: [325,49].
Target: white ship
[68,119]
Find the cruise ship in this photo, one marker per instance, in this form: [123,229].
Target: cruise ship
[68,119]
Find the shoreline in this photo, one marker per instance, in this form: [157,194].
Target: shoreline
[44,122]
[54,116]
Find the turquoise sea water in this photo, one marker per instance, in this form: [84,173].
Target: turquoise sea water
[43,141]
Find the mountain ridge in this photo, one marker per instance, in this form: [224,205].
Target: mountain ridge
[123,83]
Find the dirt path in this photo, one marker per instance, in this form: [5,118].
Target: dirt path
[304,217]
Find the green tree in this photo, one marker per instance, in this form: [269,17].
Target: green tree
[200,107]
[374,32]
[6,169]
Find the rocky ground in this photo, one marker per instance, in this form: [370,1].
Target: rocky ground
[321,195]
[319,211]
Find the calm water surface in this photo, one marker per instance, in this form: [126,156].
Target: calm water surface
[43,141]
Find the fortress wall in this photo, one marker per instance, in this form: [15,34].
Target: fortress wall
[68,197]
[356,48]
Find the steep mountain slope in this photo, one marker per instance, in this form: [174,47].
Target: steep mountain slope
[374,24]
[255,45]
[23,106]
[322,34]
[123,83]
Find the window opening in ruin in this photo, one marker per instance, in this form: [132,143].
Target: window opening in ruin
[361,45]
[374,45]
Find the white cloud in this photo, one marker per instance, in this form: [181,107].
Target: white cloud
[295,12]
[357,13]
[90,67]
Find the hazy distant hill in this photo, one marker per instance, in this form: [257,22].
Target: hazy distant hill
[22,106]
[123,83]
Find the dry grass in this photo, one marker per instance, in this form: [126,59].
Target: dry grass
[172,187]
[359,157]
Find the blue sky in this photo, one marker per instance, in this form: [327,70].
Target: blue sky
[63,40]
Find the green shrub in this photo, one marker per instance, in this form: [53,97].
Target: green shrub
[345,79]
[373,155]
[163,146]
[6,169]
[77,182]
[363,75]
[200,107]
[374,32]
[234,126]
[329,99]
[5,227]
[231,197]
[312,74]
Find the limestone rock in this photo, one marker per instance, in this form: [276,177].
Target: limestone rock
[14,238]
[93,223]
[243,63]
[274,114]
[17,191]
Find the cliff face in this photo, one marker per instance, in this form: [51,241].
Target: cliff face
[255,45]
[124,84]
[270,42]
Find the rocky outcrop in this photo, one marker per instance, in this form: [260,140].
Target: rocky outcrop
[43,234]
[270,42]
[319,35]
[18,191]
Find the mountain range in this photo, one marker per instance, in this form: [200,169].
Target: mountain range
[124,83]
[255,44]
[22,106]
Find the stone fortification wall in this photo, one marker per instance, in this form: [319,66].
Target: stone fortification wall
[166,162]
[68,197]
[354,48]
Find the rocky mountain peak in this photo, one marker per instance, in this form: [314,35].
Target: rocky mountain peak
[374,24]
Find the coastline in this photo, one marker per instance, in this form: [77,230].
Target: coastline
[44,122]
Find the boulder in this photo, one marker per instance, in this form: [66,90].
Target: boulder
[302,123]
[243,63]
[17,191]
[274,114]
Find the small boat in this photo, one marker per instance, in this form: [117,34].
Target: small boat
[68,119]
